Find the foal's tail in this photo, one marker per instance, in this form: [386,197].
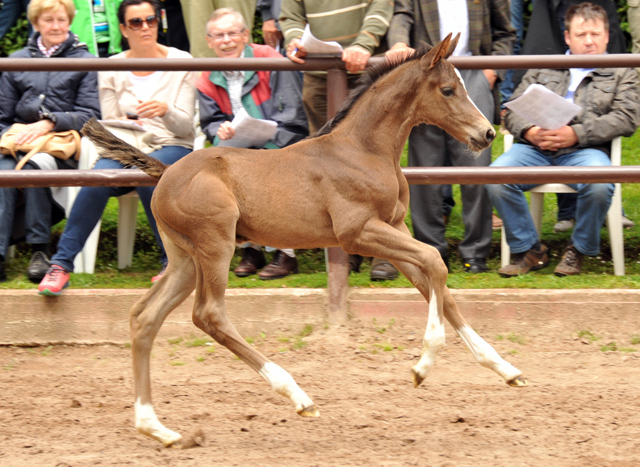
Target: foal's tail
[112,147]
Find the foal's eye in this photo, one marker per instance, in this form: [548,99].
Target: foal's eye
[447,92]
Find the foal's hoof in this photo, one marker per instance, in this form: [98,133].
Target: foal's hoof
[417,379]
[518,382]
[197,439]
[309,412]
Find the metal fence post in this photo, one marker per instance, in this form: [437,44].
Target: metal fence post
[338,267]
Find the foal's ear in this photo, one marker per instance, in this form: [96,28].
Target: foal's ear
[452,45]
[439,52]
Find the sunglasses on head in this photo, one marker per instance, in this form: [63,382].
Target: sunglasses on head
[136,23]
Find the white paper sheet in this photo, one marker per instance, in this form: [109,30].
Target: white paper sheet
[250,132]
[544,107]
[315,46]
[128,124]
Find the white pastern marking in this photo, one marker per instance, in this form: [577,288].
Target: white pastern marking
[148,424]
[434,338]
[486,355]
[283,383]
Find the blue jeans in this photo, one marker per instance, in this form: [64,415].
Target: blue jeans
[593,203]
[90,203]
[38,207]
[517,20]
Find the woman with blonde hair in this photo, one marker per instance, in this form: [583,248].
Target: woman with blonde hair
[45,102]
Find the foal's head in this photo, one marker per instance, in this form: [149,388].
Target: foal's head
[442,100]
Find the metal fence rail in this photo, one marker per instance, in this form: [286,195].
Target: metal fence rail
[336,94]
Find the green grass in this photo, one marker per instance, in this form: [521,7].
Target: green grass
[598,272]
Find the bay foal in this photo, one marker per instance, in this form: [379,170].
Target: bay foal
[343,187]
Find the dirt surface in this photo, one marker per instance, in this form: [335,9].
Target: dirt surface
[72,405]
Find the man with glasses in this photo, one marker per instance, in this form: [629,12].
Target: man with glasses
[265,95]
[194,11]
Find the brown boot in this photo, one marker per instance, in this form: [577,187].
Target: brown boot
[522,263]
[383,270]
[252,260]
[280,266]
[570,264]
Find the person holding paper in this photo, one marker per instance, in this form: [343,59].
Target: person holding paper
[485,29]
[227,97]
[162,102]
[352,28]
[610,107]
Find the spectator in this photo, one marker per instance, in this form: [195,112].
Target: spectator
[517,21]
[633,17]
[485,29]
[165,105]
[270,12]
[359,27]
[611,107]
[10,11]
[266,95]
[546,36]
[58,101]
[194,11]
[96,24]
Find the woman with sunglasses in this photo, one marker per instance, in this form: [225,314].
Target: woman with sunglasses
[162,102]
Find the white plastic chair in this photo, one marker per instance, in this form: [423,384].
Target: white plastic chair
[614,215]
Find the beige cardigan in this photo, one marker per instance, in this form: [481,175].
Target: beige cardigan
[176,88]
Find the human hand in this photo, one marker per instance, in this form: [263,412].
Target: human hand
[491,76]
[551,140]
[295,51]
[226,131]
[399,52]
[355,59]
[270,33]
[152,109]
[34,130]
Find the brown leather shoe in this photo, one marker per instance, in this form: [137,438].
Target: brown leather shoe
[252,260]
[383,270]
[570,264]
[280,266]
[522,263]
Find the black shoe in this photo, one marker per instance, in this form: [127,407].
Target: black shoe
[3,275]
[475,265]
[38,267]
[383,270]
[354,263]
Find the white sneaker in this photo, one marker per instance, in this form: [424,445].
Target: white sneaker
[627,223]
[563,226]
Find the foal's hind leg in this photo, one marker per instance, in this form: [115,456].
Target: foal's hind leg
[210,315]
[482,351]
[146,318]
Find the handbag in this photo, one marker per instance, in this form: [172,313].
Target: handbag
[61,144]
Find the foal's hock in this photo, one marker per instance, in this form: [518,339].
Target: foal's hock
[343,187]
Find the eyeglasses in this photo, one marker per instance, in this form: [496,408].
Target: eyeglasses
[233,35]
[136,23]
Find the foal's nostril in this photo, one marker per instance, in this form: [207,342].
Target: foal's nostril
[491,134]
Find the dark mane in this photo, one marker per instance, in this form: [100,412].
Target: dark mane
[372,75]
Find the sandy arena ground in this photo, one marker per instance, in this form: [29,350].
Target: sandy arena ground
[72,405]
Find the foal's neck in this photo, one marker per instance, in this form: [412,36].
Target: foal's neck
[382,118]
